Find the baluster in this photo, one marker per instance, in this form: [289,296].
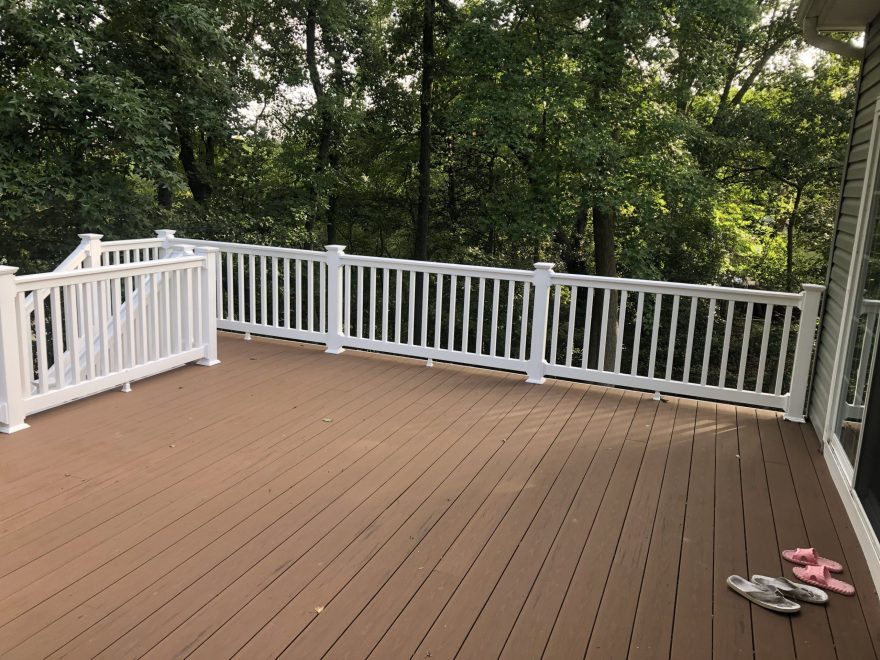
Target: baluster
[438,310]
[688,352]
[230,289]
[588,327]
[346,300]
[322,296]
[287,293]
[170,312]
[481,302]
[655,331]
[104,322]
[40,326]
[707,347]
[252,288]
[725,351]
[154,316]
[398,303]
[765,341]
[509,322]
[673,330]
[142,318]
[554,326]
[425,283]
[524,321]
[466,315]
[72,320]
[275,292]
[744,352]
[621,327]
[494,338]
[603,334]
[373,302]
[88,310]
[310,293]
[385,304]
[241,298]
[572,314]
[637,337]
[264,311]
[298,300]
[453,291]
[129,322]
[411,310]
[25,334]
[360,301]
[57,334]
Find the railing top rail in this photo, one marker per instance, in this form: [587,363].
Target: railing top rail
[247,248]
[679,289]
[47,280]
[132,242]
[438,267]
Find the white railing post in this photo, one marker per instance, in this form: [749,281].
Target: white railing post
[335,336]
[92,244]
[541,280]
[166,236]
[208,305]
[11,386]
[803,353]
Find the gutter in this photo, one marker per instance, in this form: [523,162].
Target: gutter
[824,42]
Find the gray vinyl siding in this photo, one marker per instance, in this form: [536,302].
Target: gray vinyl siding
[841,255]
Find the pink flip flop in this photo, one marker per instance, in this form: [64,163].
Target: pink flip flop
[820,576]
[809,557]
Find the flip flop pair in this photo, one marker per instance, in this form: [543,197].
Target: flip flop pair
[816,570]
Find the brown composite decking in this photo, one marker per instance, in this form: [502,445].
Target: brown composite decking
[297,504]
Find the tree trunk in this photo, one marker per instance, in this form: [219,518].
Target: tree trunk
[420,242]
[789,242]
[420,248]
[163,196]
[195,175]
[325,126]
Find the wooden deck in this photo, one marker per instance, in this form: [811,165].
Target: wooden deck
[291,503]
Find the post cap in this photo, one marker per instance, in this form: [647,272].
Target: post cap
[813,287]
[91,237]
[8,270]
[334,248]
[544,265]
[165,233]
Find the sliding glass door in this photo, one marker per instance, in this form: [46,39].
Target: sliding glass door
[868,467]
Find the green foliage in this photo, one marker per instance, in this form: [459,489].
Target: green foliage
[692,122]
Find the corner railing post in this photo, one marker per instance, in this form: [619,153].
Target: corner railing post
[166,236]
[208,305]
[803,352]
[335,336]
[11,386]
[92,244]
[541,280]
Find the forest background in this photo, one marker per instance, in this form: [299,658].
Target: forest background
[683,140]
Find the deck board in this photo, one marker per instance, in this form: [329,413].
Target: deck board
[450,512]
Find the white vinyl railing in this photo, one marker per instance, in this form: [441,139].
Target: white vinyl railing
[725,344]
[66,335]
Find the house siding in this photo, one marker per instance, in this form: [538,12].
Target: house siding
[841,255]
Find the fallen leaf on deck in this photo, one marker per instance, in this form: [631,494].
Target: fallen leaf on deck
[319,609]
[327,419]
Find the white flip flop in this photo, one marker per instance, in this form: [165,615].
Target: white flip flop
[792,590]
[759,595]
